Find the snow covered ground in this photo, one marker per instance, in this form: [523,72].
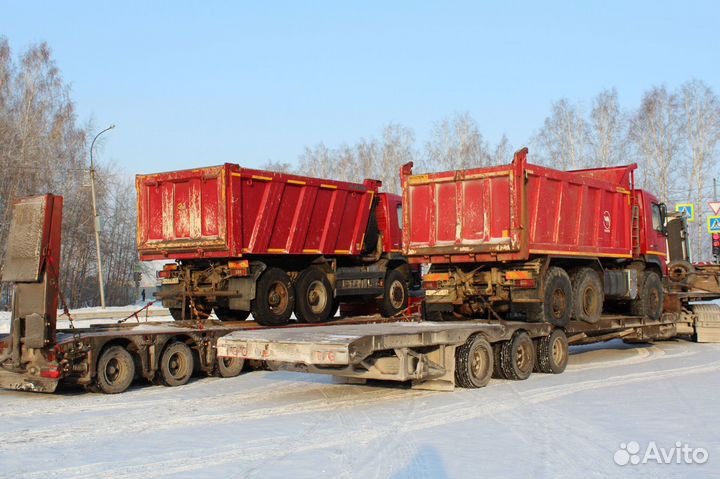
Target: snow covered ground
[281,424]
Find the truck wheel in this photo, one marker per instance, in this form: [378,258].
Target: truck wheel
[474,363]
[313,296]
[517,356]
[395,296]
[227,314]
[556,306]
[274,298]
[649,302]
[552,352]
[681,272]
[115,370]
[587,295]
[230,367]
[176,364]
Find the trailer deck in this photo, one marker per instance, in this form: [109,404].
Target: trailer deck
[423,353]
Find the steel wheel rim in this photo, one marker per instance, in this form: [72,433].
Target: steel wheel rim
[558,303]
[397,294]
[317,296]
[557,351]
[478,363]
[523,356]
[588,301]
[112,370]
[177,365]
[278,297]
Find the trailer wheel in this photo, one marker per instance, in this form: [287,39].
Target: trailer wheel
[274,298]
[227,314]
[587,295]
[313,296]
[517,356]
[552,352]
[556,306]
[649,302]
[176,364]
[115,370]
[230,367]
[474,363]
[395,296]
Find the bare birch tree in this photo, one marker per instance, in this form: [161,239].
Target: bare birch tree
[655,134]
[607,137]
[700,127]
[562,142]
[456,143]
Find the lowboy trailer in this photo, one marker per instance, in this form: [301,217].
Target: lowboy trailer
[442,355]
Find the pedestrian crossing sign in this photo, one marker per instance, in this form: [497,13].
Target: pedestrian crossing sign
[688,209]
[713,224]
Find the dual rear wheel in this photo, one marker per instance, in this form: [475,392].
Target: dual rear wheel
[477,360]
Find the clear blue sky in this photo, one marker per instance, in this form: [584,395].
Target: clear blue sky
[198,83]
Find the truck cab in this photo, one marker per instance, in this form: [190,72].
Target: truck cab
[652,242]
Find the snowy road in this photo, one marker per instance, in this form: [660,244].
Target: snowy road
[281,424]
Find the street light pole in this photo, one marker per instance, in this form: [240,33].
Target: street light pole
[97,218]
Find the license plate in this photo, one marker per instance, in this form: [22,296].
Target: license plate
[171,281]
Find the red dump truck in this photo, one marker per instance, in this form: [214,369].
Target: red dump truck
[250,241]
[535,243]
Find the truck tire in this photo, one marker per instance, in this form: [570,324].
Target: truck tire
[552,352]
[395,296]
[517,356]
[177,313]
[227,314]
[649,302]
[313,296]
[230,367]
[587,295]
[681,272]
[474,363]
[556,306]
[274,298]
[176,364]
[115,370]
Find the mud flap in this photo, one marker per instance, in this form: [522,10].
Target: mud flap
[22,382]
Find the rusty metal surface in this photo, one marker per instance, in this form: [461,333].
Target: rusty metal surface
[24,249]
[231,211]
[509,212]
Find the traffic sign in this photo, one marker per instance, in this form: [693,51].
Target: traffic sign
[715,206]
[714,224]
[688,209]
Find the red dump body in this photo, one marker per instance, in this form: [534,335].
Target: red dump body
[493,214]
[229,211]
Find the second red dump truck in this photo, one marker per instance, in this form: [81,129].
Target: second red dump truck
[250,241]
[535,243]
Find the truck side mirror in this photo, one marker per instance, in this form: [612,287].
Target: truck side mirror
[663,218]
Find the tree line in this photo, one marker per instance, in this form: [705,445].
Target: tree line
[672,135]
[44,149]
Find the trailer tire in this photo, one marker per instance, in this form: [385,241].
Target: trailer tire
[474,362]
[115,370]
[176,364]
[556,306]
[552,352]
[227,314]
[395,296]
[313,296]
[229,367]
[649,302]
[587,295]
[274,298]
[517,356]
